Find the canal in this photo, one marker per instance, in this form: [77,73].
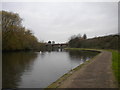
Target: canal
[39,69]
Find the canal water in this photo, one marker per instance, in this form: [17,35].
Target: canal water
[39,69]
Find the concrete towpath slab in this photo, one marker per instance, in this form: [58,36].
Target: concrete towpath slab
[96,74]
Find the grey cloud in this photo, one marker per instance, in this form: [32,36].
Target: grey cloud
[58,21]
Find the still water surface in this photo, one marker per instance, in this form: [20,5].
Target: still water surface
[38,70]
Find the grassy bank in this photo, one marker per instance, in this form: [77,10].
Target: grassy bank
[58,82]
[82,49]
[116,65]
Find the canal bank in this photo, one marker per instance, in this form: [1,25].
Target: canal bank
[95,73]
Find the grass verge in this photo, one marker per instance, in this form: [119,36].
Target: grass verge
[116,64]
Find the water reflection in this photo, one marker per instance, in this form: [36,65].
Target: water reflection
[14,64]
[84,55]
[55,49]
[39,69]
[80,56]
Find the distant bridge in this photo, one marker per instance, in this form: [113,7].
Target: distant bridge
[62,45]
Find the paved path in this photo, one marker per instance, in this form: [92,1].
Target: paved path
[96,74]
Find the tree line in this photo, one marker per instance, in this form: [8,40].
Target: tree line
[15,36]
[104,42]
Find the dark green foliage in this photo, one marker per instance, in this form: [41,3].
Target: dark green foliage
[105,42]
[74,41]
[14,35]
[49,42]
[53,42]
[41,46]
[84,36]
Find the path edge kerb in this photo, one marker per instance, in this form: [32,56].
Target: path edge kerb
[60,80]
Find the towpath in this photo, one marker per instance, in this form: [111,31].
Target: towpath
[96,74]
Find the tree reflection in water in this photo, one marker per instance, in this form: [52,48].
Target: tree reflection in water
[82,55]
[14,64]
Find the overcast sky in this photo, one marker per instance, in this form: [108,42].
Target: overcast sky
[57,21]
